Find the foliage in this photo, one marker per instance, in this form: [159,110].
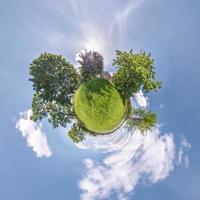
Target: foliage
[91,64]
[135,71]
[99,106]
[141,119]
[54,81]
[76,133]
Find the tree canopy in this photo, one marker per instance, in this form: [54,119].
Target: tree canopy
[135,71]
[142,120]
[54,81]
[91,64]
[76,133]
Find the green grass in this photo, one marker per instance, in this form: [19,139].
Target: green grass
[99,106]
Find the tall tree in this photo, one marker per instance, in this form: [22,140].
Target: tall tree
[54,81]
[91,64]
[135,71]
[141,119]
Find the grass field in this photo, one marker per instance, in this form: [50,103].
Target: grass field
[99,106]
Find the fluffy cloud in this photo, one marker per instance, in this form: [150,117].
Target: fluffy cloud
[129,159]
[140,100]
[35,137]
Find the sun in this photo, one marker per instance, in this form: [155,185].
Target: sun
[93,39]
[94,44]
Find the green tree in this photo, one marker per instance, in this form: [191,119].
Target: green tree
[54,81]
[135,71]
[76,133]
[141,119]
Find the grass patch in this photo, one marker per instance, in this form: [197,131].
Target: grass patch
[99,106]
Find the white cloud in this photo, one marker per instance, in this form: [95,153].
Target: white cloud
[35,137]
[120,17]
[182,154]
[130,158]
[140,100]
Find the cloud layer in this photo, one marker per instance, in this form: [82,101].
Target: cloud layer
[35,137]
[129,159]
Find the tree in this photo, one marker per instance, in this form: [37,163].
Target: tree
[135,71]
[141,119]
[54,81]
[91,64]
[76,133]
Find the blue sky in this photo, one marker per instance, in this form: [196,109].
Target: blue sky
[169,30]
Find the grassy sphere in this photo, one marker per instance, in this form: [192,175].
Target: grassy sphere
[99,106]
